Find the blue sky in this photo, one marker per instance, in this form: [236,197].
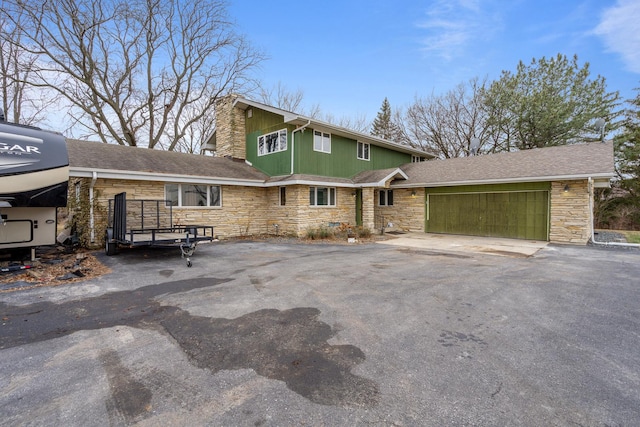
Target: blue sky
[348,55]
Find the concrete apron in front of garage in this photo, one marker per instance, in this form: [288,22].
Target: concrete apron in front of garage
[457,243]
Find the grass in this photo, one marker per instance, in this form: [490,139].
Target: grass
[631,236]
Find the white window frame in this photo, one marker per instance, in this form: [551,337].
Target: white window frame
[331,197]
[280,144]
[384,194]
[321,141]
[364,151]
[416,159]
[209,201]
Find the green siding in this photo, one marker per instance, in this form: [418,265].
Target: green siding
[511,210]
[260,123]
[342,162]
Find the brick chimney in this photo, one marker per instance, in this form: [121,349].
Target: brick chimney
[230,128]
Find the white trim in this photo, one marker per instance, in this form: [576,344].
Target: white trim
[323,134]
[146,176]
[278,136]
[297,119]
[180,205]
[368,158]
[505,181]
[328,205]
[311,183]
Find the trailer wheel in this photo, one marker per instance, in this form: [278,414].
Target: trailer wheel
[110,247]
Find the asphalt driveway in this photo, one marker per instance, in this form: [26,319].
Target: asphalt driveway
[277,333]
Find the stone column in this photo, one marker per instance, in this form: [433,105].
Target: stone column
[230,129]
[368,205]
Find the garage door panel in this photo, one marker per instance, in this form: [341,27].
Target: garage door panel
[518,214]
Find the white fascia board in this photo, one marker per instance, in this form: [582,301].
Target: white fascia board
[244,103]
[393,174]
[311,183]
[507,181]
[293,118]
[144,176]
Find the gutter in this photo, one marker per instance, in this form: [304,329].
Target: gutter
[94,178]
[593,236]
[293,142]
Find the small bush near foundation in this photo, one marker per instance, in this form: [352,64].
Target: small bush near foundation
[363,232]
[319,233]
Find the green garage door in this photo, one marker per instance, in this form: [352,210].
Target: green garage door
[515,213]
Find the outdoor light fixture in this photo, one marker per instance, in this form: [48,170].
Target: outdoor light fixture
[566,188]
[353,194]
[413,193]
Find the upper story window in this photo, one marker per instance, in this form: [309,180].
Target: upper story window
[416,159]
[272,142]
[193,195]
[322,196]
[385,198]
[321,141]
[363,151]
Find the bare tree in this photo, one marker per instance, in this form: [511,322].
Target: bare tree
[447,124]
[20,102]
[280,97]
[139,72]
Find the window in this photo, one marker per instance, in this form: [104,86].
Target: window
[386,198]
[283,196]
[416,159]
[272,142]
[321,141]
[363,151]
[193,195]
[322,196]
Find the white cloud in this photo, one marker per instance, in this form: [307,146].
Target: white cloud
[620,29]
[452,25]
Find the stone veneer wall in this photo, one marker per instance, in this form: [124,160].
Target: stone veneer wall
[407,212]
[244,211]
[254,210]
[316,216]
[570,218]
[368,208]
[230,128]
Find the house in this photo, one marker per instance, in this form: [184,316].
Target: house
[275,170]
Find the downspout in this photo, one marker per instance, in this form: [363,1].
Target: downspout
[301,128]
[94,177]
[593,235]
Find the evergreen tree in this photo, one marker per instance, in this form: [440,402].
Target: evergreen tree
[627,146]
[549,102]
[383,125]
[619,207]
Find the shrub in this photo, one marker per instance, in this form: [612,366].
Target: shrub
[363,232]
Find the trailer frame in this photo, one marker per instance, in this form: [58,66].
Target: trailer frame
[144,222]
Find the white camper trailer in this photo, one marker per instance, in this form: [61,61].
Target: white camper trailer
[34,176]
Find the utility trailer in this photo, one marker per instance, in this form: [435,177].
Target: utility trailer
[150,223]
[34,176]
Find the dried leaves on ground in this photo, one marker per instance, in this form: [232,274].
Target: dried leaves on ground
[53,266]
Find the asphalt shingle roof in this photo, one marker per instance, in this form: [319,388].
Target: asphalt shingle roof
[99,156]
[562,162]
[567,161]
